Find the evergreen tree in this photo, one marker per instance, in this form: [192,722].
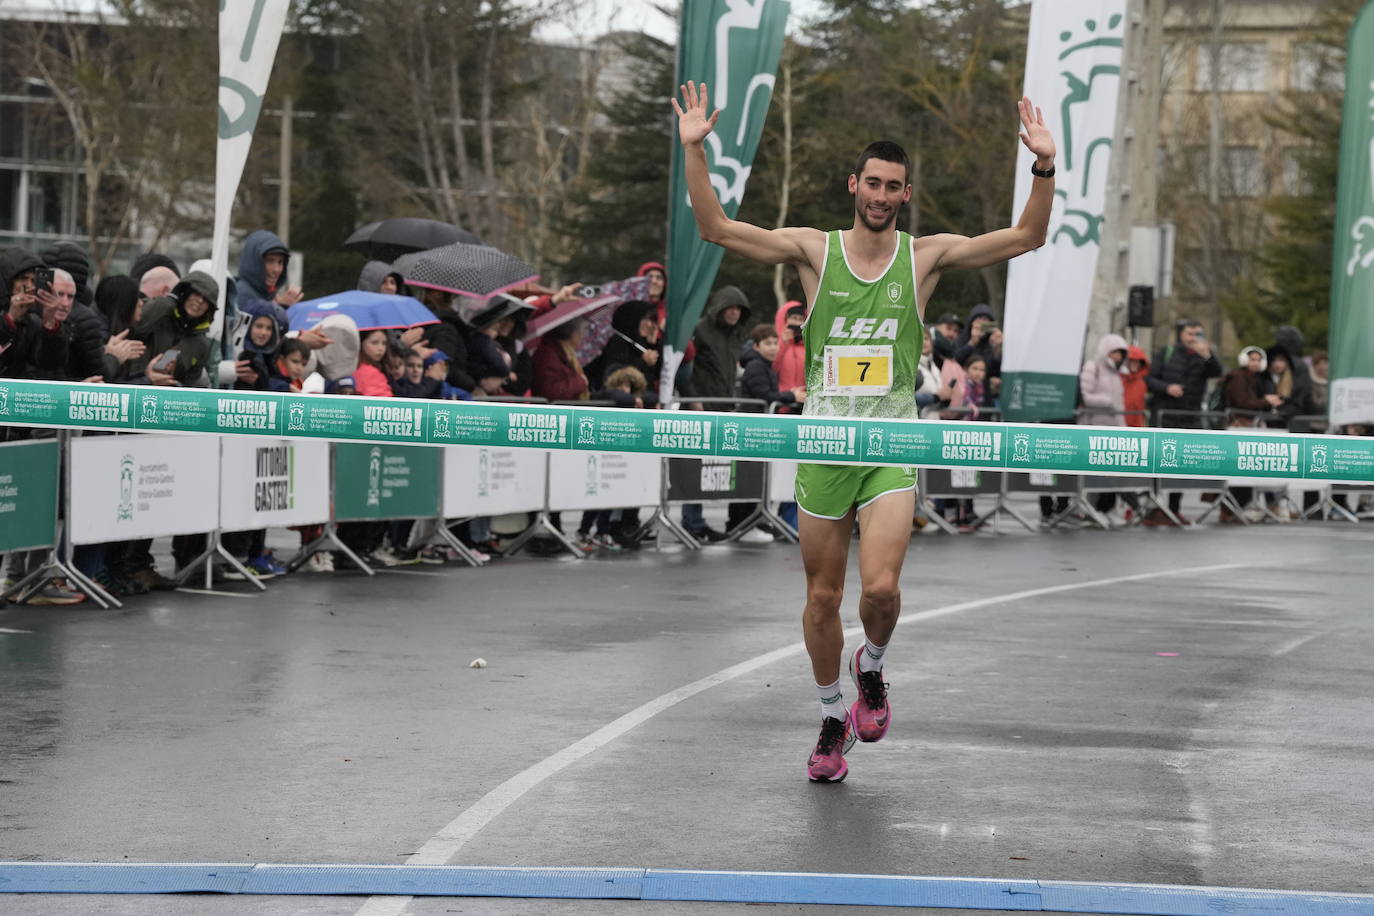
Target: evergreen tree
[619,218]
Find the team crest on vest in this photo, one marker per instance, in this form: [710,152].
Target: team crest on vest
[894,293]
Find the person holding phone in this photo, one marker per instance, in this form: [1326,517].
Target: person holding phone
[174,330]
[34,338]
[1178,382]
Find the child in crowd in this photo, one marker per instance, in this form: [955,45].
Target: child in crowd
[370,376]
[292,358]
[260,352]
[436,367]
[760,378]
[413,382]
[975,384]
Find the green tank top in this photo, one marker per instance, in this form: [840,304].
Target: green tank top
[863,338]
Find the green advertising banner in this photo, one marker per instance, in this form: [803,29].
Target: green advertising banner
[28,494]
[410,474]
[1352,272]
[734,48]
[385,482]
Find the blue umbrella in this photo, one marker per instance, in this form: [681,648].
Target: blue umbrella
[368,310]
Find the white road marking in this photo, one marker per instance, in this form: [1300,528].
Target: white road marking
[445,844]
[8,630]
[211,591]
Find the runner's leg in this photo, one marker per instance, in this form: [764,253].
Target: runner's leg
[884,536]
[825,554]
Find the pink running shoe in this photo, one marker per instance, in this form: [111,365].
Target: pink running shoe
[826,763]
[871,713]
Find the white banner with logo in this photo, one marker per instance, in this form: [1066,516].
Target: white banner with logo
[1073,70]
[603,480]
[249,32]
[492,481]
[267,483]
[142,486]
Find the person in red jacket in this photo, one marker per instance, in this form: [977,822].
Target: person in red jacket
[558,375]
[790,364]
[370,376]
[1133,385]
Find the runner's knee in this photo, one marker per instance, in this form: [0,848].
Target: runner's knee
[823,601]
[884,593]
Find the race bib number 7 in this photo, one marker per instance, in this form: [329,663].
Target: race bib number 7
[858,371]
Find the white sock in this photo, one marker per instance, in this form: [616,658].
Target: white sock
[871,658]
[832,701]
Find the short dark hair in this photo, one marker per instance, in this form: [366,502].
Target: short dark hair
[887,151]
[762,332]
[294,345]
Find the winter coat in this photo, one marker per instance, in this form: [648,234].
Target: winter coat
[760,381]
[719,346]
[115,300]
[254,297]
[262,360]
[963,349]
[371,276]
[1244,390]
[27,349]
[1101,386]
[163,326]
[620,352]
[521,362]
[619,397]
[449,336]
[791,359]
[371,381]
[556,376]
[1134,391]
[1179,365]
[1289,342]
[426,387]
[89,333]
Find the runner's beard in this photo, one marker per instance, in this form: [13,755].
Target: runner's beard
[862,213]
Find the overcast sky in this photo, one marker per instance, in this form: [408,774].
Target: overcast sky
[600,16]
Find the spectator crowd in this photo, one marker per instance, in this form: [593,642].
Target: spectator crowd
[153,326]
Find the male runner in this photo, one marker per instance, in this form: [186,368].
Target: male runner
[867,288]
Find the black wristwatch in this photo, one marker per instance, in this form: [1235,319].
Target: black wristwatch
[1047,173]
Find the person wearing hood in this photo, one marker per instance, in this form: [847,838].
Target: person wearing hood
[1100,383]
[658,298]
[88,328]
[1134,390]
[791,360]
[179,322]
[261,281]
[448,334]
[1246,388]
[974,332]
[1178,377]
[720,337]
[260,347]
[147,261]
[34,337]
[378,277]
[1289,376]
[117,300]
[634,343]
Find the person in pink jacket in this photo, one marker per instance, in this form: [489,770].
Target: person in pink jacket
[790,363]
[1101,384]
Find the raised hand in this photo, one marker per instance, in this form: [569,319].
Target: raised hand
[1034,133]
[693,124]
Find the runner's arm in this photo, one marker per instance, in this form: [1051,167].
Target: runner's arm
[768,246]
[961,252]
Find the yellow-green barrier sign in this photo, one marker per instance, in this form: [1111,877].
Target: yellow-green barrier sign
[397,421]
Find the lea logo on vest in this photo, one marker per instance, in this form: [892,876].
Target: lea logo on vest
[864,329]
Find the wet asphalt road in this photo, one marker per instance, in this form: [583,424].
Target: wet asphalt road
[1199,728]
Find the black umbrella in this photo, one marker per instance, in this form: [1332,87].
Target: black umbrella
[388,239]
[478,271]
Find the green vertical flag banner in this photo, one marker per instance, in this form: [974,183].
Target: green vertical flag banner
[734,46]
[1352,272]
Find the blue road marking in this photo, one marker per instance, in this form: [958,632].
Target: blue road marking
[669,885]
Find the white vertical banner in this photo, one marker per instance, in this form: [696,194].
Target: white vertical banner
[1073,72]
[249,31]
